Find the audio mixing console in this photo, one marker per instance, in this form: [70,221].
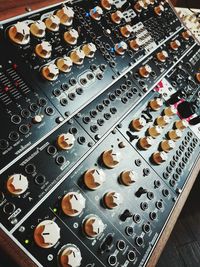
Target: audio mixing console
[100,112]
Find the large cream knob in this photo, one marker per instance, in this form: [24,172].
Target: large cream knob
[159,157]
[77,56]
[52,23]
[107,4]
[17,184]
[163,120]
[66,15]
[159,10]
[38,29]
[73,204]
[93,226]
[181,124]
[19,33]
[65,141]
[145,71]
[117,16]
[186,35]
[128,177]
[111,158]
[138,124]
[126,30]
[64,64]
[175,134]
[169,111]
[154,131]
[112,200]
[197,76]
[70,256]
[162,56]
[71,36]
[156,103]
[96,13]
[47,234]
[43,49]
[134,44]
[89,50]
[174,45]
[139,6]
[167,145]
[50,72]
[146,3]
[121,48]
[145,142]
[94,178]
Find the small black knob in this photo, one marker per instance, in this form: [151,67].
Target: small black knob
[140,192]
[126,214]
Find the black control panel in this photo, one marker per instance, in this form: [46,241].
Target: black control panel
[100,129]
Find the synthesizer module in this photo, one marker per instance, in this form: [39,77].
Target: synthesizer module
[100,112]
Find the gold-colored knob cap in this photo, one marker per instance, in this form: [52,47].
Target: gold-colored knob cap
[111,158]
[96,13]
[138,124]
[128,177]
[71,36]
[159,157]
[66,15]
[126,30]
[156,103]
[186,35]
[159,10]
[169,111]
[64,64]
[107,4]
[17,184]
[139,6]
[77,56]
[134,44]
[38,29]
[70,256]
[174,45]
[121,48]
[181,124]
[116,17]
[19,33]
[50,72]
[43,49]
[52,23]
[154,131]
[145,71]
[73,204]
[162,56]
[163,120]
[93,226]
[112,200]
[197,76]
[65,141]
[175,134]
[94,178]
[145,142]
[89,50]
[167,145]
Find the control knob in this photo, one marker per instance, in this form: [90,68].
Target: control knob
[169,111]
[89,50]
[64,64]
[43,49]
[50,72]
[66,15]
[134,44]
[175,134]
[70,256]
[159,10]
[117,16]
[111,158]
[145,71]
[96,13]
[181,124]
[71,36]
[19,33]
[139,5]
[154,131]
[94,178]
[163,120]
[159,157]
[174,45]
[128,177]
[138,124]
[126,30]
[145,142]
[38,29]
[112,200]
[107,4]
[17,184]
[65,141]
[156,103]
[197,76]
[73,204]
[93,226]
[52,23]
[121,48]
[162,56]
[77,56]
[186,35]
[167,145]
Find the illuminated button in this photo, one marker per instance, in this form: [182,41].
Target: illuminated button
[167,145]
[77,56]
[174,45]
[175,134]
[181,124]
[138,124]
[46,234]
[93,226]
[50,72]
[89,50]
[186,35]
[19,33]
[96,13]
[43,49]
[163,120]
[169,111]
[139,6]
[162,56]
[156,103]
[17,184]
[112,200]
[128,177]
[111,158]
[197,76]
[145,71]
[66,15]
[126,30]
[73,204]
[94,178]
[159,157]
[52,23]
[134,44]
[146,142]
[38,29]
[159,10]
[70,256]
[154,131]
[65,141]
[64,64]
[121,48]
[37,118]
[117,16]
[107,4]
[71,36]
